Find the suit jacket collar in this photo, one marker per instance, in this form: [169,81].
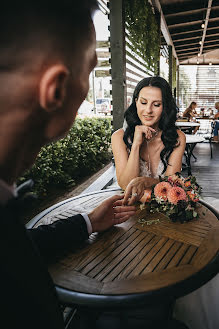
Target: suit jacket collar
[7,192]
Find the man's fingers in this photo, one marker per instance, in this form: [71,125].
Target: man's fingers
[122,219]
[118,203]
[114,198]
[124,213]
[120,209]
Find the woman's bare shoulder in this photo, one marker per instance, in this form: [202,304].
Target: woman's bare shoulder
[118,134]
[181,136]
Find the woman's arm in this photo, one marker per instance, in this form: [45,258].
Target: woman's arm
[216,116]
[127,166]
[139,184]
[175,159]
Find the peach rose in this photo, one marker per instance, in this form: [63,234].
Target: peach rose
[175,194]
[161,190]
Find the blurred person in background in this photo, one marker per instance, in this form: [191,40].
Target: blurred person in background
[191,113]
[216,124]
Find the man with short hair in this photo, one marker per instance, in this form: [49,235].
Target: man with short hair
[47,53]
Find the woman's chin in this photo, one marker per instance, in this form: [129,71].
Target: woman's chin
[151,124]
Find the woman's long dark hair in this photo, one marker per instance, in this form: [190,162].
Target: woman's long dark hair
[167,121]
[191,105]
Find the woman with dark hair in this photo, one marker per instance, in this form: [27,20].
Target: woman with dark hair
[150,145]
[190,111]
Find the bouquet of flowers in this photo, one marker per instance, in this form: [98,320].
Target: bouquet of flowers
[176,197]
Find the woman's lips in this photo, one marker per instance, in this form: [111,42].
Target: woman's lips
[148,118]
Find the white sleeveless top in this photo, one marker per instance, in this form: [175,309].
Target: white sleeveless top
[145,171]
[143,166]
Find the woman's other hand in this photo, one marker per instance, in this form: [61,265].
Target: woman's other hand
[146,196]
[136,188]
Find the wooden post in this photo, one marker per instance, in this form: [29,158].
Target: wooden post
[117,48]
[170,51]
[177,86]
[158,19]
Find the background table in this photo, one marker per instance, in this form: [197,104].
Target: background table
[130,264]
[191,141]
[187,127]
[187,124]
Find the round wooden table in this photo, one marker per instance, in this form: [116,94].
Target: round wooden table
[130,264]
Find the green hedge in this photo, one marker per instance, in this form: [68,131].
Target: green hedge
[83,151]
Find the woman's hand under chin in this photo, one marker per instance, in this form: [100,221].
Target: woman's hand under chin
[141,133]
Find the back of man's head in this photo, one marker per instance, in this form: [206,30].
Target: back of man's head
[62,25]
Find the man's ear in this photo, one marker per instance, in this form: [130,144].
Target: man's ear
[52,87]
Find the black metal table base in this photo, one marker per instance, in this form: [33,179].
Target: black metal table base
[154,317]
[188,153]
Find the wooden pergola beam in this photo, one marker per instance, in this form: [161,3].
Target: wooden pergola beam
[164,28]
[117,42]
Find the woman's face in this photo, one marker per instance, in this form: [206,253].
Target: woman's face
[149,106]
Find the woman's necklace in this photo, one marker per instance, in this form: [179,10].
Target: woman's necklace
[154,135]
[147,145]
[149,161]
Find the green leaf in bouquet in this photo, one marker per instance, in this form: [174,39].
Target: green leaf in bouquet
[189,214]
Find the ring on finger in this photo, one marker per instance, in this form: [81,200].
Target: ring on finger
[135,194]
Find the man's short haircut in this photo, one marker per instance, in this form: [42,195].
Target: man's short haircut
[66,22]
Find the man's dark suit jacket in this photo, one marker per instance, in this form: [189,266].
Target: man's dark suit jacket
[27,294]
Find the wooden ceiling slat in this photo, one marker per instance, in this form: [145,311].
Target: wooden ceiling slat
[184,19]
[184,39]
[187,12]
[215,45]
[171,6]
[191,52]
[173,26]
[194,31]
[185,51]
[184,44]
[215,19]
[190,12]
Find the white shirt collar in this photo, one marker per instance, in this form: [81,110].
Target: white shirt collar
[7,192]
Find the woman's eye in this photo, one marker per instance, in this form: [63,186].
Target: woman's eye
[143,103]
[157,104]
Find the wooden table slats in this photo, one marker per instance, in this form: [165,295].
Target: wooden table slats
[132,258]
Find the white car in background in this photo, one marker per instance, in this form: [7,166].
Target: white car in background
[103,105]
[86,109]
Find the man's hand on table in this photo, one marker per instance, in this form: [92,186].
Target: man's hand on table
[110,212]
[136,188]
